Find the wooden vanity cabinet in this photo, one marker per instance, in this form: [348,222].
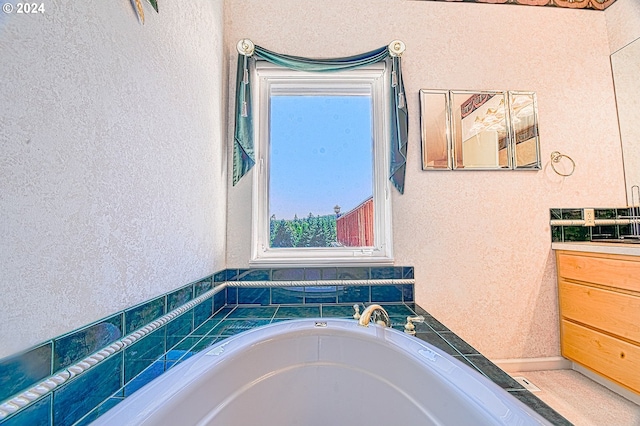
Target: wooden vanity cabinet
[599,297]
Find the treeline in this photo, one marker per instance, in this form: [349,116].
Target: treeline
[312,231]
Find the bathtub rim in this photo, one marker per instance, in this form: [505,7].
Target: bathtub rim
[170,383]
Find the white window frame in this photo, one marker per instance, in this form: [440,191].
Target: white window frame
[368,80]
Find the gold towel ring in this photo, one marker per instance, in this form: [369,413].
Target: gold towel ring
[556,157]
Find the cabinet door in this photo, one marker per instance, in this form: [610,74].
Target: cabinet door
[616,359]
[606,310]
[602,269]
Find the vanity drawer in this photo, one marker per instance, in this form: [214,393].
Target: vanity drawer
[609,270]
[615,313]
[616,359]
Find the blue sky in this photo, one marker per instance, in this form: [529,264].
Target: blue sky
[321,154]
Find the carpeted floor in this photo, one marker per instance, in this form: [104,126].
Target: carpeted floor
[581,400]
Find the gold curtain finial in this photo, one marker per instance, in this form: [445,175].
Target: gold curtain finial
[139,10]
[245,47]
[396,48]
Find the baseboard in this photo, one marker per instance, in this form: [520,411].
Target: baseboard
[623,392]
[533,364]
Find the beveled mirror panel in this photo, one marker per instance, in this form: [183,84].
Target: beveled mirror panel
[480,130]
[434,126]
[626,77]
[524,122]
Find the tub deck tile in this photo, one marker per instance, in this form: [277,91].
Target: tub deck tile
[437,341]
[398,310]
[298,312]
[99,410]
[494,372]
[231,327]
[540,407]
[206,327]
[454,340]
[337,311]
[222,313]
[233,319]
[204,343]
[264,312]
[464,360]
[148,374]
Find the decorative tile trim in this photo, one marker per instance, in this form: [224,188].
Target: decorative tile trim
[598,222]
[322,283]
[573,4]
[26,398]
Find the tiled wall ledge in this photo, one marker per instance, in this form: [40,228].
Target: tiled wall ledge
[59,378]
[48,380]
[319,283]
[610,223]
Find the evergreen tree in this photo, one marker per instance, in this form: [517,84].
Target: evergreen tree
[281,235]
[311,231]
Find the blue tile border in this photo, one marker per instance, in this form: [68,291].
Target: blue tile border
[182,296]
[70,351]
[287,274]
[82,394]
[287,295]
[22,371]
[37,414]
[254,295]
[143,314]
[74,347]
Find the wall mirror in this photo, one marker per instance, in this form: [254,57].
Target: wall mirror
[435,129]
[625,64]
[479,130]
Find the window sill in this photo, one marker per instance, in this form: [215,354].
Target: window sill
[280,262]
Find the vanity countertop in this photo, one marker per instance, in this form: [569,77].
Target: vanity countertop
[629,249]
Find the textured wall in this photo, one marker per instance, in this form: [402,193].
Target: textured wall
[480,241]
[112,166]
[623,23]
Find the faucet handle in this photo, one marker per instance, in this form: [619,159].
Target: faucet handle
[409,328]
[356,308]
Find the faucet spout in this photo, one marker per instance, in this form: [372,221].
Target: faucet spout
[378,313]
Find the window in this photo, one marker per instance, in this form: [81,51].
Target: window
[321,191]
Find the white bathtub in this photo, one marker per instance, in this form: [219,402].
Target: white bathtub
[321,372]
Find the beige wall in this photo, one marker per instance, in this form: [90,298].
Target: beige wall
[112,166]
[623,23]
[480,241]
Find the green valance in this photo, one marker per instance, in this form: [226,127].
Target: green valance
[243,149]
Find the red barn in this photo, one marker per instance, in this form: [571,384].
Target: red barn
[355,228]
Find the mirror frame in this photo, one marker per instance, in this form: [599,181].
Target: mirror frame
[424,132]
[449,131]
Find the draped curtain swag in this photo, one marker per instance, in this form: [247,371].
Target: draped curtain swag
[243,148]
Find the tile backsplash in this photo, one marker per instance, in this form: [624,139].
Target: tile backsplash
[561,231]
